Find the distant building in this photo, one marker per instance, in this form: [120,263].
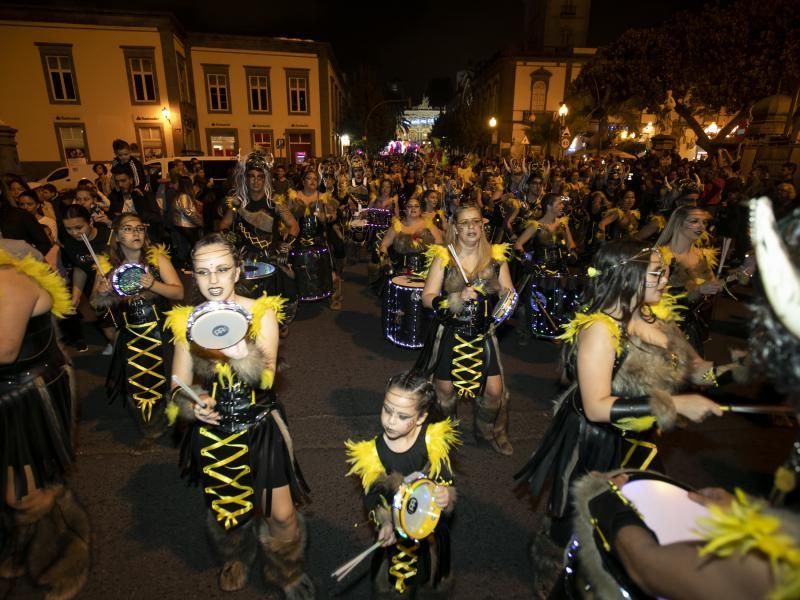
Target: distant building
[74,81]
[418,122]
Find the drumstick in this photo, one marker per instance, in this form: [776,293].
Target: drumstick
[452,250]
[345,569]
[759,409]
[91,251]
[189,392]
[726,245]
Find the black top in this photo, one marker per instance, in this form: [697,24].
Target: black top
[19,224]
[75,254]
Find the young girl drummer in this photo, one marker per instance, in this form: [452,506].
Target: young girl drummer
[414,440]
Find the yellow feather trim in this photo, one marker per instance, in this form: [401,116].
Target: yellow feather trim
[224,373]
[501,252]
[440,439]
[50,281]
[635,423]
[267,379]
[260,307]
[533,223]
[704,240]
[291,194]
[614,211]
[668,308]
[743,527]
[364,461]
[154,251]
[176,321]
[171,411]
[659,221]
[583,321]
[429,220]
[711,256]
[279,199]
[433,252]
[105,263]
[563,221]
[666,255]
[635,214]
[397,225]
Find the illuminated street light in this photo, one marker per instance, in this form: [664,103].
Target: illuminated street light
[345,140]
[167,115]
[712,129]
[492,122]
[623,135]
[563,111]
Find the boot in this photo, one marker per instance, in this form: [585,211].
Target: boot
[237,549]
[58,550]
[336,297]
[284,562]
[491,424]
[449,405]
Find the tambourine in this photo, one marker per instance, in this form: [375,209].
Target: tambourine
[127,279]
[505,306]
[258,270]
[414,512]
[218,324]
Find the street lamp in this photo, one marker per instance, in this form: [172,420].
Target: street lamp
[493,128]
[563,111]
[492,122]
[167,115]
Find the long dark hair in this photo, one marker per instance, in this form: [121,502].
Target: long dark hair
[414,384]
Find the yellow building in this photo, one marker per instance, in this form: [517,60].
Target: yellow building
[74,81]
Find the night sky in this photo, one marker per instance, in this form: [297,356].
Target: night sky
[411,41]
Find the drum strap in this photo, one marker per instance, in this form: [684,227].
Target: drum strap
[404,565]
[144,356]
[467,365]
[230,467]
[650,446]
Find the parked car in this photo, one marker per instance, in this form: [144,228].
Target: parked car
[67,177]
[218,168]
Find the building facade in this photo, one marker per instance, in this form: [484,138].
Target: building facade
[84,79]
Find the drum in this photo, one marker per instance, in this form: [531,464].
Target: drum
[505,306]
[126,279]
[552,300]
[405,320]
[218,324]
[414,512]
[358,229]
[313,272]
[378,218]
[257,278]
[664,506]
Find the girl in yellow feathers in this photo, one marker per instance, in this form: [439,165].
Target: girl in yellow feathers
[414,440]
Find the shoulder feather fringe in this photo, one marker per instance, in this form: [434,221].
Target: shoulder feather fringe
[533,223]
[397,225]
[440,439]
[154,251]
[364,462]
[711,256]
[105,263]
[563,221]
[176,321]
[501,252]
[659,221]
[666,255]
[668,308]
[584,321]
[436,251]
[261,306]
[49,280]
[291,194]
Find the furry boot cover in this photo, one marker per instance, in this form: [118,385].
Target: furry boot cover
[55,548]
[547,560]
[236,548]
[336,297]
[491,423]
[284,562]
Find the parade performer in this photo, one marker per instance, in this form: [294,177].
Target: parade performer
[462,353]
[409,238]
[628,367]
[432,208]
[620,222]
[238,444]
[254,220]
[691,265]
[415,439]
[140,363]
[43,531]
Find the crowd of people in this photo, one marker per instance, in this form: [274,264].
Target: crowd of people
[619,260]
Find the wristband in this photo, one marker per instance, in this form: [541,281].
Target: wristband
[632,413]
[440,306]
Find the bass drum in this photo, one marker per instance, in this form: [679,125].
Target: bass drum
[552,299]
[313,272]
[405,321]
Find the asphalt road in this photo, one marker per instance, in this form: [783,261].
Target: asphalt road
[148,525]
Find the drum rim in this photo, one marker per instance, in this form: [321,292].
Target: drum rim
[122,269]
[243,312]
[410,287]
[398,507]
[269,273]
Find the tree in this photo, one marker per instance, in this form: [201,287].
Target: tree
[718,58]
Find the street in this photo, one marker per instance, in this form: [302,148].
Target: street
[149,526]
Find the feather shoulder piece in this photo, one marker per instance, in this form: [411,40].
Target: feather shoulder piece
[659,221]
[533,223]
[711,256]
[364,461]
[501,252]
[440,439]
[177,321]
[429,220]
[279,199]
[397,224]
[563,221]
[617,212]
[435,251]
[105,264]
[636,214]
[154,251]
[666,255]
[260,307]
[291,194]
[49,280]
[668,308]
[583,321]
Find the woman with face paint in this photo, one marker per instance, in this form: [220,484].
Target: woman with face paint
[622,221]
[237,443]
[140,362]
[683,245]
[409,238]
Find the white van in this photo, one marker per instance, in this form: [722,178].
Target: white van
[67,177]
[218,168]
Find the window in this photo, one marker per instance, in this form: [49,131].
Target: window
[218,97]
[301,147]
[222,141]
[262,140]
[538,96]
[297,89]
[142,81]
[59,73]
[72,143]
[151,142]
[183,79]
[258,91]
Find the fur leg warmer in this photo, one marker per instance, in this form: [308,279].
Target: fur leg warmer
[491,423]
[236,548]
[284,562]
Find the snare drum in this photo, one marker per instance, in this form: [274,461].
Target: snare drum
[505,306]
[378,218]
[357,229]
[127,279]
[405,320]
[313,273]
[257,279]
[556,295]
[414,512]
[218,324]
